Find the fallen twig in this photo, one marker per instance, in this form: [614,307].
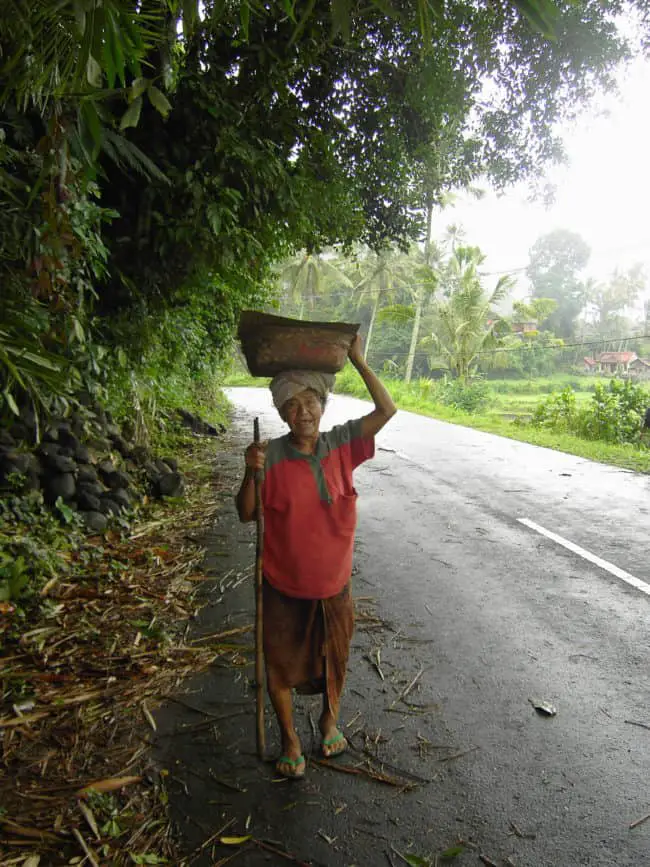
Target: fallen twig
[148,716]
[362,771]
[639,821]
[195,854]
[90,819]
[90,855]
[240,630]
[521,834]
[376,661]
[410,686]
[631,722]
[459,755]
[407,775]
[288,856]
[353,720]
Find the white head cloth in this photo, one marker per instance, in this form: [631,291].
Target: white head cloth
[287,384]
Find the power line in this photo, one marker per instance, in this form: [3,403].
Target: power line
[420,353]
[567,345]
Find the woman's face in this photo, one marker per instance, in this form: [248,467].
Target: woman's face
[303,413]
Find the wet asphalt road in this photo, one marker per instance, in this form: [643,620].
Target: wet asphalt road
[496,614]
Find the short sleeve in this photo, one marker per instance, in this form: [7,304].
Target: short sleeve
[361,448]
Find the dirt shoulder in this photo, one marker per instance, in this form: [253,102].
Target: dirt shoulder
[85,659]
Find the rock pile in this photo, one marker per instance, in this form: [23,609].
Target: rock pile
[86,462]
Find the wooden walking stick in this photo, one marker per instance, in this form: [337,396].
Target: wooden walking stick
[259,610]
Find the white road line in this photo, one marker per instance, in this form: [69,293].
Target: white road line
[587,555]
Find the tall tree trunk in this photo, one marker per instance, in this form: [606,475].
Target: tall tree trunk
[371,327]
[419,300]
[414,334]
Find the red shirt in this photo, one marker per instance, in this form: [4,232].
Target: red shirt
[310,512]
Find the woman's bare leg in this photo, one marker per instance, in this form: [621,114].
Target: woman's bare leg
[291,747]
[333,741]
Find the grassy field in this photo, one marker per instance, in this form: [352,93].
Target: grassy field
[510,407]
[519,397]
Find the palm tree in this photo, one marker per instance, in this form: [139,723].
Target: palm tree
[465,321]
[425,282]
[383,273]
[303,277]
[454,236]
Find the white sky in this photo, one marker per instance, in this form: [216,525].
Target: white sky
[603,194]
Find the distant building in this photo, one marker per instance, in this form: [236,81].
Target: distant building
[611,363]
[640,368]
[529,327]
[618,364]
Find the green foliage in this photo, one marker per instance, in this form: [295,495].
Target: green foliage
[471,397]
[531,355]
[418,398]
[556,260]
[536,310]
[607,301]
[14,576]
[558,412]
[544,385]
[465,322]
[26,365]
[614,414]
[33,549]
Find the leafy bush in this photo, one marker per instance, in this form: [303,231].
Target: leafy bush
[33,549]
[471,398]
[615,412]
[558,412]
[613,415]
[544,385]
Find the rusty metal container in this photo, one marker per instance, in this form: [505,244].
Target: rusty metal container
[272,344]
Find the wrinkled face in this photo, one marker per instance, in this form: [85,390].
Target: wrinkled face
[303,413]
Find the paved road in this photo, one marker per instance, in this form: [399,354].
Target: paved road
[514,615]
[497,614]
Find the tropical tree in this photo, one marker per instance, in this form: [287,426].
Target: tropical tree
[465,321]
[555,263]
[383,272]
[304,277]
[607,301]
[537,310]
[424,282]
[454,236]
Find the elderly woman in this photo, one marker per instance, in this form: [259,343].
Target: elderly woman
[309,522]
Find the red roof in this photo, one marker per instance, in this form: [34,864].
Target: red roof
[590,361]
[616,357]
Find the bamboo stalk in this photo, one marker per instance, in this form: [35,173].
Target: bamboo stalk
[259,613]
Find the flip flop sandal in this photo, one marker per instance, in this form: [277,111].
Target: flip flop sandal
[338,738]
[294,763]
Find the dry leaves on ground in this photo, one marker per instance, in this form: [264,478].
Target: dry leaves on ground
[80,687]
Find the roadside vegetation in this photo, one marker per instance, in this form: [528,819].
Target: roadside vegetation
[599,420]
[601,425]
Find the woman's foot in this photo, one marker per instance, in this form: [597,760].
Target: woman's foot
[292,769]
[291,763]
[333,743]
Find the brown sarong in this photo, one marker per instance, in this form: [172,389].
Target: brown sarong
[307,643]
